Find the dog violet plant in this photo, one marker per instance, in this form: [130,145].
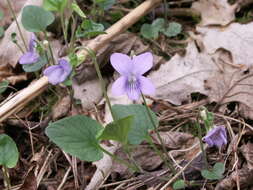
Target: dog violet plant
[131,81]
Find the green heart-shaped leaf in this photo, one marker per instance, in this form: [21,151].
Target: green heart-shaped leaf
[77,136]
[35,66]
[36,19]
[149,32]
[179,184]
[141,124]
[215,173]
[90,29]
[118,130]
[173,29]
[8,151]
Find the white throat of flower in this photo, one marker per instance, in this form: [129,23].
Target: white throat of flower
[132,81]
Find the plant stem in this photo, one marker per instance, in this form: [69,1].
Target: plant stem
[166,161]
[64,28]
[119,160]
[165,12]
[101,80]
[130,157]
[6,177]
[73,29]
[50,48]
[201,145]
[19,29]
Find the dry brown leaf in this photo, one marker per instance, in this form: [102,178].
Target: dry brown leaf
[16,5]
[89,92]
[61,108]
[221,68]
[247,151]
[30,182]
[174,140]
[146,158]
[236,39]
[244,175]
[9,52]
[215,12]
[7,73]
[178,78]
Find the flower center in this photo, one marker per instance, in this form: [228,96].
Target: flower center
[132,79]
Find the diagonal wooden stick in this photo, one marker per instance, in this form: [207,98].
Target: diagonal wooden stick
[16,103]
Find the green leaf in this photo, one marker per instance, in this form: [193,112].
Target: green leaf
[215,173]
[141,124]
[8,151]
[90,29]
[3,86]
[173,29]
[158,24]
[77,9]
[35,66]
[36,19]
[77,136]
[118,130]
[1,31]
[149,32]
[55,5]
[179,184]
[105,4]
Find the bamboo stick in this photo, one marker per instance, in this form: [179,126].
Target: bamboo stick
[16,103]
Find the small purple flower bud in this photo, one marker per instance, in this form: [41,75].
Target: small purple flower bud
[131,81]
[216,137]
[58,73]
[31,56]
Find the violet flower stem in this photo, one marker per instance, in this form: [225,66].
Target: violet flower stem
[114,157]
[101,80]
[6,177]
[50,48]
[19,29]
[166,161]
[63,28]
[165,13]
[202,146]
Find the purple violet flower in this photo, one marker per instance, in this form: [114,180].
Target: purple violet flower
[131,81]
[31,56]
[216,137]
[58,73]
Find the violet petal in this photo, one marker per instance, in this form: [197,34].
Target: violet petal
[133,91]
[32,43]
[146,86]
[29,58]
[216,137]
[142,63]
[119,86]
[121,63]
[54,74]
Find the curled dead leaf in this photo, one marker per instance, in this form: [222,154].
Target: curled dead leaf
[215,12]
